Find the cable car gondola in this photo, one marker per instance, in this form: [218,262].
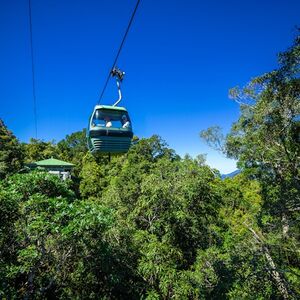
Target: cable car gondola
[109,129]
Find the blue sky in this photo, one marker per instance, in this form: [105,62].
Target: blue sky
[180,59]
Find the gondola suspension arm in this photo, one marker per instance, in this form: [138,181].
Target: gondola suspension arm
[119,77]
[120,94]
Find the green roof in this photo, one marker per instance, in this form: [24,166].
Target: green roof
[53,162]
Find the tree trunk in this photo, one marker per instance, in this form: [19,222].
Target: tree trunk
[285,225]
[279,282]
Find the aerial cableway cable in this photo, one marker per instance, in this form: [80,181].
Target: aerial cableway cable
[119,50]
[32,70]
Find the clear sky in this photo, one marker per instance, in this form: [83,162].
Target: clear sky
[180,58]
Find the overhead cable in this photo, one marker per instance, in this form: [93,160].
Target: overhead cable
[119,50]
[32,71]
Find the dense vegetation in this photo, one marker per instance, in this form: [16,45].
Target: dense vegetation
[150,224]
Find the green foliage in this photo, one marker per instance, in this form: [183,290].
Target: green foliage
[24,203]
[73,148]
[11,154]
[149,225]
[213,137]
[94,176]
[265,140]
[38,182]
[55,246]
[37,150]
[167,205]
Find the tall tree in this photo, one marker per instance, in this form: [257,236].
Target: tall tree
[265,140]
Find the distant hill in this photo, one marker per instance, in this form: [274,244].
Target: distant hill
[230,175]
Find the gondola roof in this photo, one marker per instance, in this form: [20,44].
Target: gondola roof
[109,107]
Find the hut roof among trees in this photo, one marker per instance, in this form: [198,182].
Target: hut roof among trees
[52,162]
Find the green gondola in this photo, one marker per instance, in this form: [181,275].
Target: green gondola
[109,130]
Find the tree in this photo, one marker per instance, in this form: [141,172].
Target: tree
[11,154]
[37,150]
[165,206]
[54,246]
[265,140]
[19,250]
[73,148]
[94,176]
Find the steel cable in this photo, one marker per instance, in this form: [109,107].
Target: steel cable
[32,71]
[120,48]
